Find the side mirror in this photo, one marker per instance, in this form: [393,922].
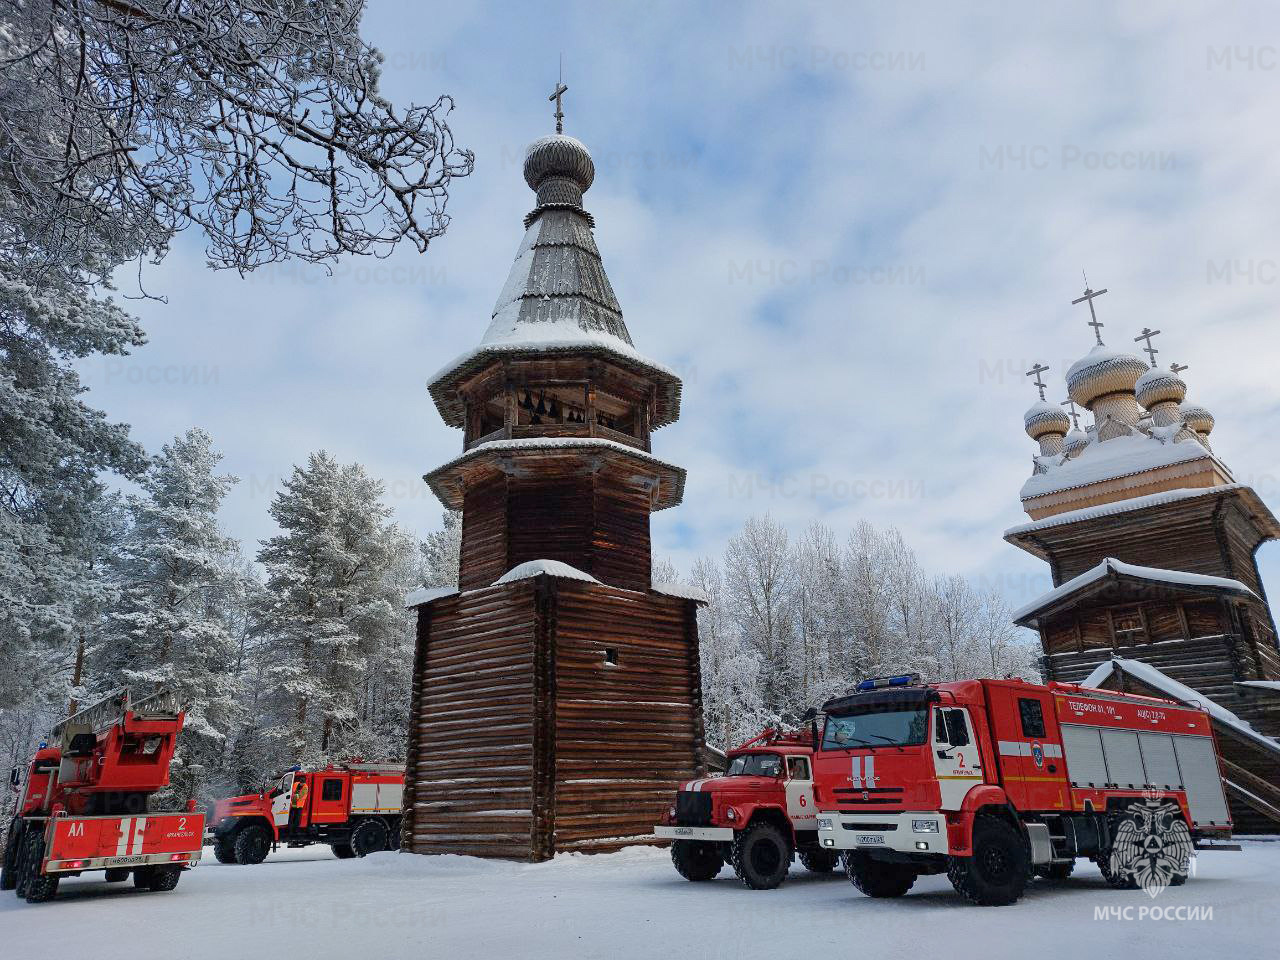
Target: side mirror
[810,715]
[15,778]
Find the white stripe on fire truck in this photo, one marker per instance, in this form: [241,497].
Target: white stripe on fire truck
[126,827]
[855,775]
[869,771]
[1014,748]
[138,826]
[1053,750]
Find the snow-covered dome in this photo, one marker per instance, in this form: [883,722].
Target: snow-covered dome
[559,169]
[1075,442]
[1045,417]
[1103,371]
[1160,386]
[1198,419]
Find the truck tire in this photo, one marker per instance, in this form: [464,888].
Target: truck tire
[1056,871]
[875,879]
[1174,840]
[696,860]
[38,888]
[817,860]
[224,850]
[252,844]
[157,879]
[9,868]
[761,856]
[996,874]
[394,835]
[116,874]
[369,836]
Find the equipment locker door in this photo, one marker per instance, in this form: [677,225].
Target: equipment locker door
[1030,745]
[799,788]
[329,802]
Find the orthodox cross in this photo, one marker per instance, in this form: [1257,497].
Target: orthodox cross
[1035,371]
[560,91]
[1075,414]
[1146,334]
[1178,367]
[1093,316]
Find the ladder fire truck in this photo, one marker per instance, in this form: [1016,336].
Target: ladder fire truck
[756,817]
[84,803]
[992,781]
[354,807]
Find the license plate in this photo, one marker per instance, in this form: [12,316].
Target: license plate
[682,831]
[866,838]
[125,861]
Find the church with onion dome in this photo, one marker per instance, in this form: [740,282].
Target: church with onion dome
[556,695]
[1152,549]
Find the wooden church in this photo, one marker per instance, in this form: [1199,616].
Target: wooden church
[1152,547]
[556,693]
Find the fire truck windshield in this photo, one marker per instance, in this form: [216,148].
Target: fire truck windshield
[755,765]
[877,728]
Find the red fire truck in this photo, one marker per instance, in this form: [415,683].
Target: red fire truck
[757,816]
[84,803]
[354,807]
[991,781]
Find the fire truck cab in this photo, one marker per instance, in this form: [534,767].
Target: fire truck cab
[758,816]
[992,781]
[354,807]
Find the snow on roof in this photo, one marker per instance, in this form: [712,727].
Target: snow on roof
[686,591]
[551,568]
[1099,354]
[416,598]
[1109,459]
[1260,684]
[1159,680]
[1111,565]
[1122,506]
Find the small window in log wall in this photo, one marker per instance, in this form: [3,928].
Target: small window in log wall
[1129,626]
[610,656]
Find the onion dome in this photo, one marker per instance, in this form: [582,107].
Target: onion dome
[1198,419]
[1045,417]
[559,169]
[1075,442]
[1101,372]
[1160,386]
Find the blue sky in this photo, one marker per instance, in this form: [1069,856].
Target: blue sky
[849,226]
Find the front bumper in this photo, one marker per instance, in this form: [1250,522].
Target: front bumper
[905,832]
[717,834]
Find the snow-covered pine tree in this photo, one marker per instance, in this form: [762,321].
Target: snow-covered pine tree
[440,552]
[332,625]
[179,576]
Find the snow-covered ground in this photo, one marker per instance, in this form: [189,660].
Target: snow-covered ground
[304,903]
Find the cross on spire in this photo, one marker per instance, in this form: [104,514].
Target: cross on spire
[1178,367]
[1146,334]
[1035,371]
[1075,414]
[559,92]
[1093,316]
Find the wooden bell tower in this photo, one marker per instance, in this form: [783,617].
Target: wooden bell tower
[556,693]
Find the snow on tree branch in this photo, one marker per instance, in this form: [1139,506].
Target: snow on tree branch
[125,121]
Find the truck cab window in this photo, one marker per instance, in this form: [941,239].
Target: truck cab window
[332,789]
[1032,715]
[798,768]
[957,728]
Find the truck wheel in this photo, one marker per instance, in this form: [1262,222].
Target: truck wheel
[342,851]
[761,856]
[696,860]
[157,879]
[9,868]
[368,837]
[879,880]
[817,860]
[394,835]
[252,844]
[997,872]
[1056,871]
[224,850]
[116,874]
[38,887]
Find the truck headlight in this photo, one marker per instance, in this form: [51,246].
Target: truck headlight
[924,826]
[731,813]
[824,823]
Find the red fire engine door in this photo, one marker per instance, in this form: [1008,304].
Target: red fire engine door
[1030,747]
[330,800]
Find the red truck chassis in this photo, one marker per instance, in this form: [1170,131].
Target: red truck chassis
[991,781]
